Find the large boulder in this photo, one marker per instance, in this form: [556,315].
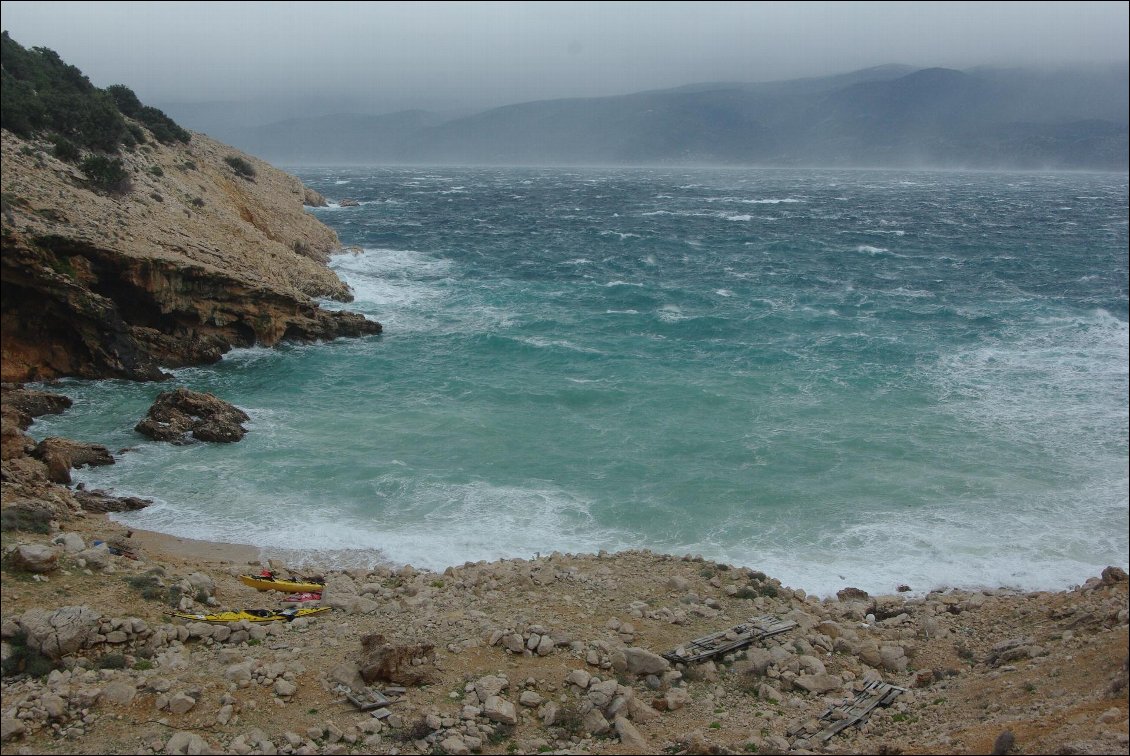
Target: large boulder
[179,413]
[57,633]
[640,661]
[35,558]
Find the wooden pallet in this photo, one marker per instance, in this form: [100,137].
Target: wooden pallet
[838,718]
[725,641]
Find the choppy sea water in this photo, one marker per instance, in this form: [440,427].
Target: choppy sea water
[837,377]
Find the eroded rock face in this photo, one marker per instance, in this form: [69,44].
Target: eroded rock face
[101,501]
[62,454]
[28,403]
[177,414]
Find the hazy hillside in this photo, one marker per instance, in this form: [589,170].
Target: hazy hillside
[883,116]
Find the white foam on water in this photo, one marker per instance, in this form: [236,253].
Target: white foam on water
[671,313]
[544,343]
[612,284]
[902,291]
[868,249]
[438,526]
[724,292]
[398,286]
[738,217]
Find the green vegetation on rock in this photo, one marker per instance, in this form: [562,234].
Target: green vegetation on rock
[42,94]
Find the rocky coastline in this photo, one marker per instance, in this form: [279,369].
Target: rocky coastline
[560,653]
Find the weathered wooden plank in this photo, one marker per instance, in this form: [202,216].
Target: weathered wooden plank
[873,695]
[732,639]
[375,699]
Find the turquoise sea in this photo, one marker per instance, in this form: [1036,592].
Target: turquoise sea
[838,377]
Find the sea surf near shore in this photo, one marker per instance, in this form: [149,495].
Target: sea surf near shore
[841,378]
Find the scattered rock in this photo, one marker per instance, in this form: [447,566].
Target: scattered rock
[1004,743]
[498,709]
[594,723]
[119,693]
[183,742]
[818,684]
[852,594]
[630,736]
[10,728]
[676,698]
[1112,575]
[181,703]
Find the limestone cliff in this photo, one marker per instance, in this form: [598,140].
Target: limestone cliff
[208,249]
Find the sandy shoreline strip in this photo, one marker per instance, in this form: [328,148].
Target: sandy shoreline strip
[175,547]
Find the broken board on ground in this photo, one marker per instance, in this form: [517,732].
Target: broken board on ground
[371,698]
[854,712]
[725,641]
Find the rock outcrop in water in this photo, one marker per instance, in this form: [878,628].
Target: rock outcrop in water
[181,413]
[194,259]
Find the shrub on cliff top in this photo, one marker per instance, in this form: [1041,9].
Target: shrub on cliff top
[65,149]
[42,93]
[240,166]
[106,174]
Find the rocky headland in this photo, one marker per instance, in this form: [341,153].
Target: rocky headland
[197,257]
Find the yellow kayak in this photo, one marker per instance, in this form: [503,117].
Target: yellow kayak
[252,615]
[264,583]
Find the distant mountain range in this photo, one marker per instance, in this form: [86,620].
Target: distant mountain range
[885,116]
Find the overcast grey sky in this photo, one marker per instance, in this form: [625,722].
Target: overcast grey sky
[388,56]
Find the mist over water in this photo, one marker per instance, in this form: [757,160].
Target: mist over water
[840,378]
